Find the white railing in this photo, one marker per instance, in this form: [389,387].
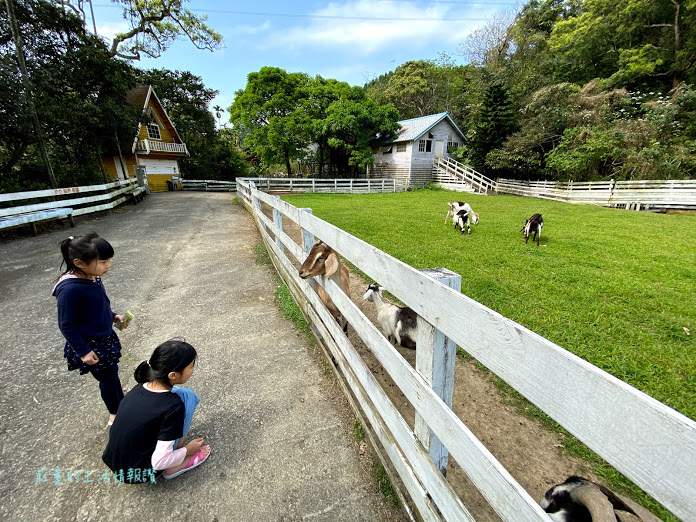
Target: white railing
[645,194]
[209,185]
[448,170]
[328,186]
[650,443]
[39,205]
[148,146]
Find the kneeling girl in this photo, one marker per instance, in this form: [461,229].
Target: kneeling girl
[146,438]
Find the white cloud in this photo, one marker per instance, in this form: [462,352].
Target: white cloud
[240,30]
[365,27]
[110,29]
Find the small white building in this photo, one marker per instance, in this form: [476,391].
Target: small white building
[419,141]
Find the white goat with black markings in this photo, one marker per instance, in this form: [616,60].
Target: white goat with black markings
[456,207]
[323,260]
[581,500]
[399,324]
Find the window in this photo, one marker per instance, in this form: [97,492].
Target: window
[452,146]
[153,131]
[400,147]
[387,149]
[421,145]
[425,145]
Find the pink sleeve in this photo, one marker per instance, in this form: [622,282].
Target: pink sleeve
[165,456]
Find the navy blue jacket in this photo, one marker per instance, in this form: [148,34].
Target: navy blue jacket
[84,310]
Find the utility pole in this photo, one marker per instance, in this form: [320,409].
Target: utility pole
[27,87]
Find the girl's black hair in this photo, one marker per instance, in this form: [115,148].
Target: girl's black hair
[86,248]
[170,356]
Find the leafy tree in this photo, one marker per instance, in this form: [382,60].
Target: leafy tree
[496,122]
[82,92]
[355,122]
[156,24]
[265,114]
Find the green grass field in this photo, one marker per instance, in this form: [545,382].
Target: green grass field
[615,287]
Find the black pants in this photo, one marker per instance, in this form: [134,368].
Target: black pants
[109,385]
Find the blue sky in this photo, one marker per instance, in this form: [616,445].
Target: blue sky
[349,40]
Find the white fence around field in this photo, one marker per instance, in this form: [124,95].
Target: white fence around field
[30,207]
[650,443]
[302,185]
[638,195]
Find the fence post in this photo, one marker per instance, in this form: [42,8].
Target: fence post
[351,185]
[256,203]
[313,189]
[382,185]
[278,220]
[435,358]
[307,237]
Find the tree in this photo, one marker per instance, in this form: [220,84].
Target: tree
[265,114]
[355,123]
[496,122]
[82,91]
[156,24]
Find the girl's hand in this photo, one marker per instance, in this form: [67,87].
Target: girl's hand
[90,358]
[194,446]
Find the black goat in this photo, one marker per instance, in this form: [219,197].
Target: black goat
[533,224]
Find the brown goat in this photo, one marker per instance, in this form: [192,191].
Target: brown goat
[323,260]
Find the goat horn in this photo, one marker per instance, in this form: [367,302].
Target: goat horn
[589,495]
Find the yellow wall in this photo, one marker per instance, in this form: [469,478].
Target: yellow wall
[158,182]
[164,131]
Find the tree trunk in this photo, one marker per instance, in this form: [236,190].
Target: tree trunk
[287,162]
[677,75]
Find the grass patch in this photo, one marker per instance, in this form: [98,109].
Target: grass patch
[384,485]
[290,310]
[358,433]
[261,256]
[614,287]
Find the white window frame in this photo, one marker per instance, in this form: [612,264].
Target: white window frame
[401,147]
[150,134]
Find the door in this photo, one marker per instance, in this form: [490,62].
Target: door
[439,148]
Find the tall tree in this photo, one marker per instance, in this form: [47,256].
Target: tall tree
[265,114]
[496,123]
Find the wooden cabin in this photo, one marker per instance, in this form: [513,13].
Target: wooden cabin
[155,144]
[410,156]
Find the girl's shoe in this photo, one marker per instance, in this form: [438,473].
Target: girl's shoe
[195,461]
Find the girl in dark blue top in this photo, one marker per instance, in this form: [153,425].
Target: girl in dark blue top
[85,317]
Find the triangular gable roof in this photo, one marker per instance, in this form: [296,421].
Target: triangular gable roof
[140,97]
[415,127]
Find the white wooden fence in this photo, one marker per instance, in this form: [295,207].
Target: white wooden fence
[19,208]
[638,195]
[302,185]
[649,442]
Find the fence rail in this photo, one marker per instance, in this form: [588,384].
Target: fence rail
[303,185]
[18,208]
[638,195]
[449,171]
[652,444]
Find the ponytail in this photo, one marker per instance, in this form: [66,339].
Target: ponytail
[142,373]
[86,248]
[170,356]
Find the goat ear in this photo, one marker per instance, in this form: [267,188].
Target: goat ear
[331,264]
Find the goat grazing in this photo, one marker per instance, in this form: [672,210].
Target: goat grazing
[533,224]
[397,323]
[323,260]
[581,500]
[455,207]
[462,219]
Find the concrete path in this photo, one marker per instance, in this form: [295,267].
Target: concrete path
[184,264]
